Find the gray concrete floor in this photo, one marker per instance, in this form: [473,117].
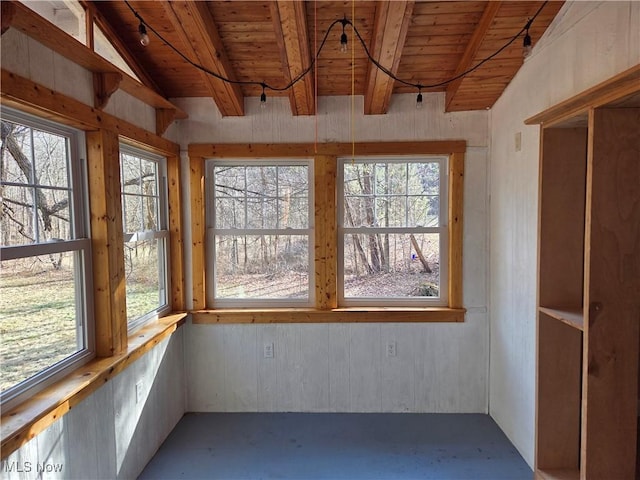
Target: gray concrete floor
[306,446]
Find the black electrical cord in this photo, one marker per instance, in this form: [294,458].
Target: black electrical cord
[343,22]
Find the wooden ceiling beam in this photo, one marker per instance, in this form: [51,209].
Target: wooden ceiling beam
[290,23]
[197,30]
[488,15]
[391,24]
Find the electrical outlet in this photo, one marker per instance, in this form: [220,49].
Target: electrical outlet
[268,350]
[139,391]
[391,349]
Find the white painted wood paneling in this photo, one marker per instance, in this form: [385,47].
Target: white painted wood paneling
[52,451]
[343,368]
[339,368]
[397,389]
[588,43]
[288,374]
[30,59]
[241,377]
[339,372]
[364,365]
[15,48]
[267,368]
[41,64]
[314,367]
[275,124]
[108,435]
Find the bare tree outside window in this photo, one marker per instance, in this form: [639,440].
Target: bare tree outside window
[261,226]
[144,223]
[392,228]
[42,314]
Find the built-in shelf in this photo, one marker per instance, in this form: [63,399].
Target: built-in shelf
[563,474]
[571,316]
[587,184]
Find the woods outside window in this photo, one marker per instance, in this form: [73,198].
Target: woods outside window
[383,242]
[260,226]
[392,231]
[45,274]
[144,220]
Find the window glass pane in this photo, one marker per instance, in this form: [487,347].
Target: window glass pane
[50,155]
[391,178]
[130,166]
[150,211]
[390,211]
[294,212]
[293,196]
[424,178]
[37,314]
[262,266]
[34,157]
[229,213]
[423,211]
[144,212]
[17,219]
[148,177]
[391,265]
[230,181]
[103,47]
[132,207]
[53,215]
[143,277]
[17,154]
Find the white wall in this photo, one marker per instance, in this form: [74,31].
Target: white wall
[322,367]
[26,57]
[108,435]
[587,43]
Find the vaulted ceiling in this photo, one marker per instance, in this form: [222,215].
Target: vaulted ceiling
[272,42]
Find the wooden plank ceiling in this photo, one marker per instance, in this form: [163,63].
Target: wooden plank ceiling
[272,42]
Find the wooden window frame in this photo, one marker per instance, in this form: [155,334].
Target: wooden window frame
[115,349]
[325,161]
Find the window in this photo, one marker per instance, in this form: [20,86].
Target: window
[103,47]
[45,277]
[260,229]
[392,231]
[144,220]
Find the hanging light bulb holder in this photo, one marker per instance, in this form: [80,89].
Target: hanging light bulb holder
[263,97]
[527,45]
[344,41]
[419,99]
[144,36]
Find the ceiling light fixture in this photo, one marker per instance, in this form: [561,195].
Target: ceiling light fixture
[527,44]
[419,98]
[144,37]
[263,97]
[343,37]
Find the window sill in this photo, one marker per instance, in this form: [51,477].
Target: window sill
[338,315]
[28,419]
